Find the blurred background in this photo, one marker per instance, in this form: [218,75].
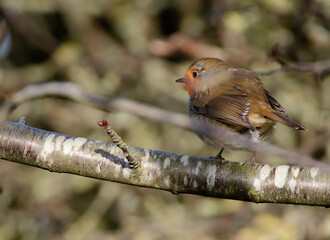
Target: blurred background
[136,49]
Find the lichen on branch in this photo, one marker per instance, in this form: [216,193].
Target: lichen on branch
[167,171]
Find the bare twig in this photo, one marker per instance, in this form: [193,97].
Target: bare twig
[3,30]
[31,29]
[119,142]
[319,70]
[166,171]
[5,39]
[270,72]
[181,43]
[76,93]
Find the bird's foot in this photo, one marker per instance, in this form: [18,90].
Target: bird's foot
[217,158]
[252,160]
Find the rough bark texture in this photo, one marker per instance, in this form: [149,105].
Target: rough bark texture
[167,171]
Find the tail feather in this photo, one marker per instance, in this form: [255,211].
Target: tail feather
[280,115]
[286,120]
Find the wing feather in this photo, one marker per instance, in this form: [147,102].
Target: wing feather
[232,107]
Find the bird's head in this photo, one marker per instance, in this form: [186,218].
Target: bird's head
[201,71]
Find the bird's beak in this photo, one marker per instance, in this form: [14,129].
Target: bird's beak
[180,80]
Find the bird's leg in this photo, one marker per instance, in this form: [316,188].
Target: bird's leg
[218,156]
[253,158]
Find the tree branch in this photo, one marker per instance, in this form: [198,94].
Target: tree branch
[180,43]
[76,93]
[319,70]
[167,171]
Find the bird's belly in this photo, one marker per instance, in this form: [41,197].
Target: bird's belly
[200,123]
[199,126]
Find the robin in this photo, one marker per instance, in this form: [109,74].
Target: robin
[232,98]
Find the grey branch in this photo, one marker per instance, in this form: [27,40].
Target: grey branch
[166,171]
[76,93]
[319,69]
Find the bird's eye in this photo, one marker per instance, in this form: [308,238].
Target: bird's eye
[194,74]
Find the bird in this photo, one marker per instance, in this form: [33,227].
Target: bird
[224,96]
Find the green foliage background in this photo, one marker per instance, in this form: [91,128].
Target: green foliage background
[131,49]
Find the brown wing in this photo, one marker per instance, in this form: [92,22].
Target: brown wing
[281,114]
[231,107]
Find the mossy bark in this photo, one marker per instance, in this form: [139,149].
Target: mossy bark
[167,171]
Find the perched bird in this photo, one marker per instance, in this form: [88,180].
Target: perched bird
[233,98]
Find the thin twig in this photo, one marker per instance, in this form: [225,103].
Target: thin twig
[270,72]
[119,142]
[76,93]
[178,42]
[319,69]
[30,29]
